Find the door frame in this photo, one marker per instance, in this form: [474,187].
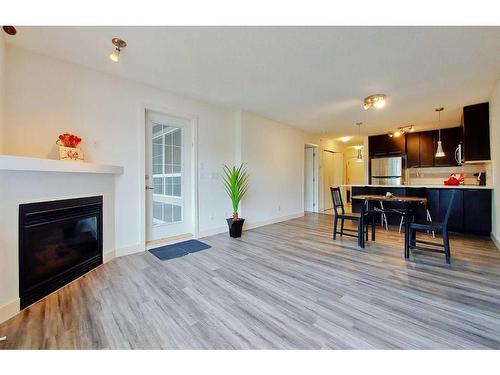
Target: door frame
[316,169]
[193,121]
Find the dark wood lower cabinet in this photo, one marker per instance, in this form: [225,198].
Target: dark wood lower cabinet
[471,210]
[477,211]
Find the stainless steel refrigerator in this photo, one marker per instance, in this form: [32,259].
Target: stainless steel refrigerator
[387,171]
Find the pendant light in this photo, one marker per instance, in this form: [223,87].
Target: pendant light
[439,152]
[359,156]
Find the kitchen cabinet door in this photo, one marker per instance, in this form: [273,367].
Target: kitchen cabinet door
[476,120]
[413,150]
[427,148]
[396,145]
[450,139]
[377,145]
[477,211]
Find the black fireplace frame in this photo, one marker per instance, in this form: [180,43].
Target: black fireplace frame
[33,214]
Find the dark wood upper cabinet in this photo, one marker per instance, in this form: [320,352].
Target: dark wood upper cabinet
[427,148]
[383,145]
[413,150]
[450,139]
[476,123]
[396,145]
[377,145]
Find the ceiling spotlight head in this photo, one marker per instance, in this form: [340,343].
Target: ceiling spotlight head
[119,44]
[115,55]
[377,101]
[397,133]
[11,30]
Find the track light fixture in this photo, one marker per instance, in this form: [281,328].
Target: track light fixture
[402,130]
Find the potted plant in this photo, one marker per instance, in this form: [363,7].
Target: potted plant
[236,184]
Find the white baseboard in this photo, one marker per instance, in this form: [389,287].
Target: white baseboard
[9,310]
[107,256]
[272,221]
[212,232]
[495,240]
[224,229]
[130,250]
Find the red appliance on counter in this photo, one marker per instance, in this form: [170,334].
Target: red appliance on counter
[455,179]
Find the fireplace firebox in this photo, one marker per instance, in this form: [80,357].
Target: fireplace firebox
[59,241]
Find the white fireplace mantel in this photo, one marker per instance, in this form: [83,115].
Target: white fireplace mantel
[22,163]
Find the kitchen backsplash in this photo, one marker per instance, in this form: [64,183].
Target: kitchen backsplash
[436,175]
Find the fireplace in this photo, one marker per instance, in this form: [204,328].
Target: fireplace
[59,241]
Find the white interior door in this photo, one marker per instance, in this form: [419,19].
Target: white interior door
[309,180]
[169,182]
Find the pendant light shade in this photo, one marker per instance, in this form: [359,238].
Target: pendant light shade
[359,156]
[439,151]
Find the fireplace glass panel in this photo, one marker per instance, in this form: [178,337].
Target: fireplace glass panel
[56,247]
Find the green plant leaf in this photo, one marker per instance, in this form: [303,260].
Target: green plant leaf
[235,180]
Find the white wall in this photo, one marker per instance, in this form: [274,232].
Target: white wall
[2,87]
[27,187]
[274,155]
[495,157]
[46,97]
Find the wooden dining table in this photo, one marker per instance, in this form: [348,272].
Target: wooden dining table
[408,203]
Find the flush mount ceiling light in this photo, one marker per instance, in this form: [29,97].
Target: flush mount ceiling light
[345,139]
[402,130]
[119,44]
[439,151]
[377,101]
[11,30]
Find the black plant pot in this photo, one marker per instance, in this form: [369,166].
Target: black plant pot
[235,227]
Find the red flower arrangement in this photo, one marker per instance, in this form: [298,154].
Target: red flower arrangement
[69,140]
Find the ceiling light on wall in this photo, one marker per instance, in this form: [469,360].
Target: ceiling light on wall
[345,139]
[377,101]
[119,45]
[439,151]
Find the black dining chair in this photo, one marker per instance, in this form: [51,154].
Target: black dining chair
[340,214]
[433,226]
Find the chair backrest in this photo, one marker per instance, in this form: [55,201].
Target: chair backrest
[337,200]
[448,211]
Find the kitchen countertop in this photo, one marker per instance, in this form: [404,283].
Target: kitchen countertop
[429,186]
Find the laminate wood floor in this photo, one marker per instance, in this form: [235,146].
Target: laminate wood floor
[281,286]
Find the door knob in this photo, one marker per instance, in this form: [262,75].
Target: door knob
[149,188]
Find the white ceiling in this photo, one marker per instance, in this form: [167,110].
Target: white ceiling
[311,77]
